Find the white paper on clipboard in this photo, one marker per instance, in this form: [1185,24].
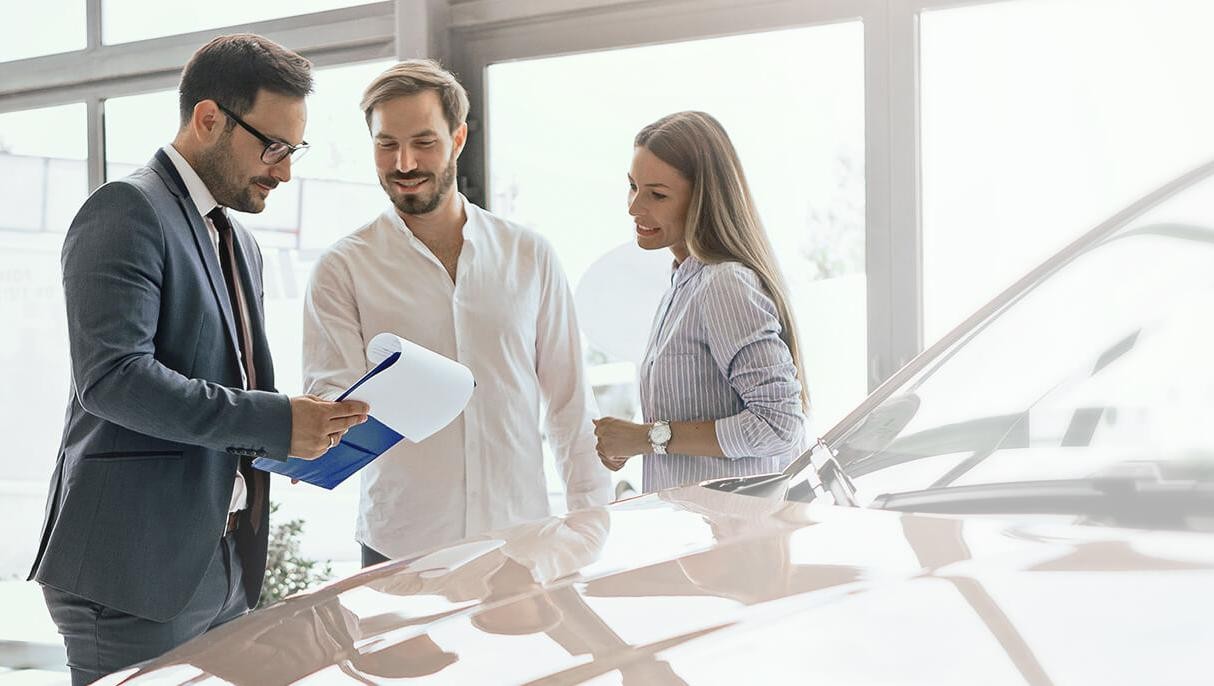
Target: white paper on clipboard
[415,394]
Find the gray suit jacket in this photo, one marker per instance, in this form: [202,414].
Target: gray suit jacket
[157,424]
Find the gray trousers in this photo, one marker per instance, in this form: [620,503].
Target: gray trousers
[101,640]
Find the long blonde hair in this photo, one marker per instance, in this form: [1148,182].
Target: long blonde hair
[722,224]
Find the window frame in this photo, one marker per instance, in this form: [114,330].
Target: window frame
[486,32]
[470,35]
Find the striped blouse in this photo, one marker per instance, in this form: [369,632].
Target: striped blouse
[715,352]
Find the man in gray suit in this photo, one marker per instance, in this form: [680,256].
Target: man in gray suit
[156,524]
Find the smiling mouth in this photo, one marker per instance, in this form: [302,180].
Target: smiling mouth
[646,231]
[410,184]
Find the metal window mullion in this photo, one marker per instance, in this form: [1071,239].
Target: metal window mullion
[903,293]
[94,105]
[96,142]
[878,183]
[421,29]
[92,20]
[896,301]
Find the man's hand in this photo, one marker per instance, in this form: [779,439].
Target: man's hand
[317,425]
[619,440]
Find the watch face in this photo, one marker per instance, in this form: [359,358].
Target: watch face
[660,433]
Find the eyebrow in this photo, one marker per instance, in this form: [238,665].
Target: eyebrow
[277,139]
[649,185]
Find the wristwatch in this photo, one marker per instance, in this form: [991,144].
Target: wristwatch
[659,436]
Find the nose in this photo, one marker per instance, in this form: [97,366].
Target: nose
[634,204]
[282,170]
[405,161]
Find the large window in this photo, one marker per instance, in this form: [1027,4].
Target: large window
[42,162]
[793,104]
[19,37]
[1042,117]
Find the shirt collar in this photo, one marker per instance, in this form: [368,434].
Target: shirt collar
[680,273]
[472,221]
[199,194]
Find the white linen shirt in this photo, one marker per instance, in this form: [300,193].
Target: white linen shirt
[509,317]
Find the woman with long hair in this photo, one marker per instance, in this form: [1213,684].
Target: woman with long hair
[722,387]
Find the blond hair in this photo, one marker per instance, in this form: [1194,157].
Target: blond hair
[416,76]
[722,224]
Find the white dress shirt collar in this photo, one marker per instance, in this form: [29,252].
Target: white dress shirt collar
[199,193]
[473,222]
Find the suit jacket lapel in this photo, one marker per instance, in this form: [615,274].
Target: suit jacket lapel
[163,166]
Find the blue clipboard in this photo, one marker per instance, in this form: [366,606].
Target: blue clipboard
[358,447]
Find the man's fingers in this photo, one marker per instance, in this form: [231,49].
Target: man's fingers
[330,440]
[350,408]
[337,424]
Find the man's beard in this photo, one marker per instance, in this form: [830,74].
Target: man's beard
[416,203]
[216,167]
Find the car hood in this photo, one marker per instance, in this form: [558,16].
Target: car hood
[699,586]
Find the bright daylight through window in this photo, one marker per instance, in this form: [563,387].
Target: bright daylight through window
[563,170]
[1029,142]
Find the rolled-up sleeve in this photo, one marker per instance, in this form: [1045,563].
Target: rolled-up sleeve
[743,332]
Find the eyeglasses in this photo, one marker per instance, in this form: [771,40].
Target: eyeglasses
[275,151]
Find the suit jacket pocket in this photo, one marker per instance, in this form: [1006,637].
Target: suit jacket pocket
[136,455]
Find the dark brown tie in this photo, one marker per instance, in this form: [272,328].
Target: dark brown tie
[255,479]
[231,277]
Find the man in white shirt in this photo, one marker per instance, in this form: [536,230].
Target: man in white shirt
[447,275]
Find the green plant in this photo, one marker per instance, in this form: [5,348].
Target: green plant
[286,571]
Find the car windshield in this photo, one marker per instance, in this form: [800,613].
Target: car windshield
[1103,370]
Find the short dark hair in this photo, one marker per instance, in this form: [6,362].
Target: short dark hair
[231,70]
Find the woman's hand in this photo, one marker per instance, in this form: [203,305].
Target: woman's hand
[619,440]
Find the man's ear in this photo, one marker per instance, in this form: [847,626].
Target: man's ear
[208,122]
[459,138]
